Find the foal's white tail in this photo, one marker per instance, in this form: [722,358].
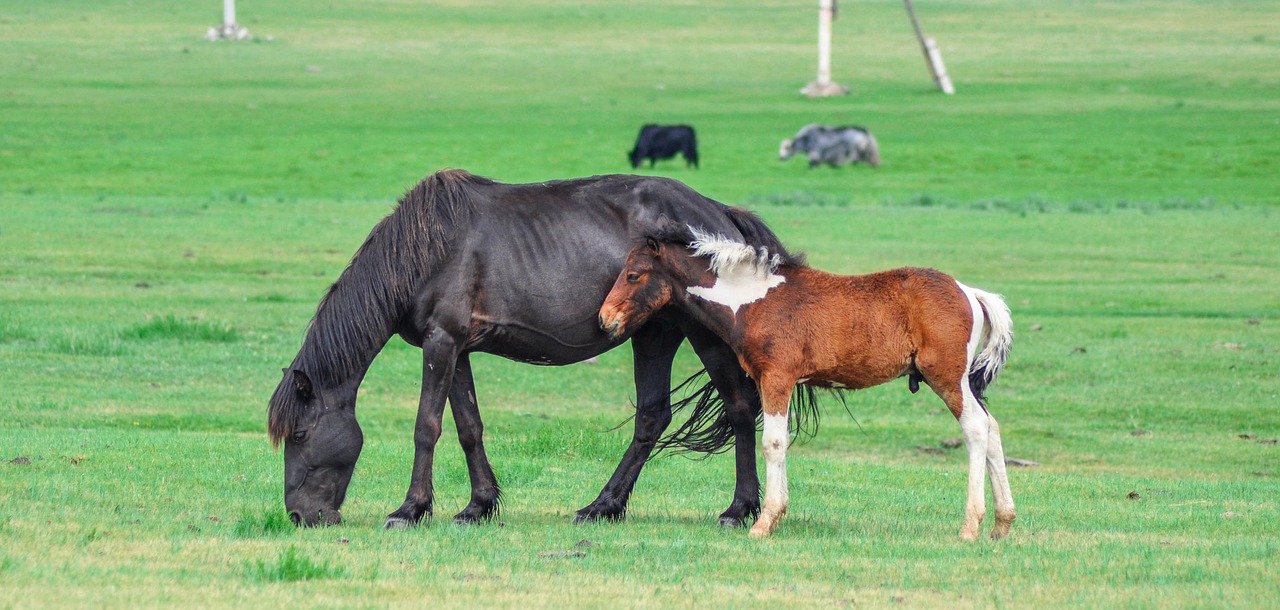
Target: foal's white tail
[997,340]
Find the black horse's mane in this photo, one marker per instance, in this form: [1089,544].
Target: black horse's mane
[360,310]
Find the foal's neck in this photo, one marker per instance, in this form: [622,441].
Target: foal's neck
[722,303]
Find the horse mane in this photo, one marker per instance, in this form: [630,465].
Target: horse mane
[359,312]
[726,254]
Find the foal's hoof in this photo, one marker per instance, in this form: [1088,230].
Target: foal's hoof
[759,532]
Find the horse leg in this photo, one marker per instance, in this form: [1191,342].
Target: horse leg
[975,425]
[741,404]
[439,358]
[776,396]
[466,415]
[654,347]
[1001,495]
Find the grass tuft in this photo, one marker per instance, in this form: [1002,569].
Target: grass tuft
[292,567]
[798,198]
[76,343]
[271,522]
[170,327]
[1040,205]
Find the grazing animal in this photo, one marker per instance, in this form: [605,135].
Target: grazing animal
[834,146]
[791,324]
[657,142]
[465,264]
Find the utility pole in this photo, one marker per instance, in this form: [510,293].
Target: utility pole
[932,56]
[824,87]
[228,29]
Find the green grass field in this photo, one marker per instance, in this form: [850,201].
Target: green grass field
[172,209]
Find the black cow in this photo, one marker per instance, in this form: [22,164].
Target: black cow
[663,142]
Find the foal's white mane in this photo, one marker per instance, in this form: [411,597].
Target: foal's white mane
[727,254]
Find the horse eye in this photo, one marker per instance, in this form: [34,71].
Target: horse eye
[299,436]
[633,277]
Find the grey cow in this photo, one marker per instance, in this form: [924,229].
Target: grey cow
[834,146]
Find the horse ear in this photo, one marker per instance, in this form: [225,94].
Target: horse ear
[303,384]
[652,244]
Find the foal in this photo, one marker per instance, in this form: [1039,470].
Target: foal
[791,324]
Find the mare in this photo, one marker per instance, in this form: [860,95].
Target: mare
[465,264]
[791,324]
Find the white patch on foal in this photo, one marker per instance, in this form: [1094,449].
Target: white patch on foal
[743,275]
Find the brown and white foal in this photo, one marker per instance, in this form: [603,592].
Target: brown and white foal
[791,324]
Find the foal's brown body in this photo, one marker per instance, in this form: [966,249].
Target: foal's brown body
[865,330]
[792,324]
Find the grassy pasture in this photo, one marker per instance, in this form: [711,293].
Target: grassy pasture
[173,209]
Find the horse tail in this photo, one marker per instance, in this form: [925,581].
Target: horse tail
[708,431]
[997,341]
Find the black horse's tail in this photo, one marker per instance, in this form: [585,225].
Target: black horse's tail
[707,429]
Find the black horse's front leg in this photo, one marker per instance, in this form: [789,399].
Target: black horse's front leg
[654,347]
[439,357]
[485,492]
[742,405]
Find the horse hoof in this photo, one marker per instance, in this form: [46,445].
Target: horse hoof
[396,523]
[759,532]
[470,519]
[581,518]
[732,523]
[596,516]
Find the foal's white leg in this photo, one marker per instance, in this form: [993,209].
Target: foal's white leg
[1001,495]
[773,442]
[975,424]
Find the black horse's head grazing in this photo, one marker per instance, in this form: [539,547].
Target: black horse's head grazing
[322,442]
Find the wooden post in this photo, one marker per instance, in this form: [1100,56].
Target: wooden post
[824,87]
[932,57]
[228,13]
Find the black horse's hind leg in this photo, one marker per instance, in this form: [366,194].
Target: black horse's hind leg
[439,358]
[742,405]
[466,415]
[654,348]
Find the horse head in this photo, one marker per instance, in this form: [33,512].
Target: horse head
[640,290]
[322,442]
[786,150]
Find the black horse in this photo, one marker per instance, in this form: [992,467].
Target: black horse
[465,264]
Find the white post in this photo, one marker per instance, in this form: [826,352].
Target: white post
[228,29]
[823,86]
[824,41]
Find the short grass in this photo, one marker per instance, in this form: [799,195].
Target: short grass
[173,209]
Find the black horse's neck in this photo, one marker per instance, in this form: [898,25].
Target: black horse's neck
[362,308]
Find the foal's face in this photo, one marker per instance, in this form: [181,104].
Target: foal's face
[643,287]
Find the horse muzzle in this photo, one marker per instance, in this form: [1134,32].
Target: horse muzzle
[316,518]
[611,321]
